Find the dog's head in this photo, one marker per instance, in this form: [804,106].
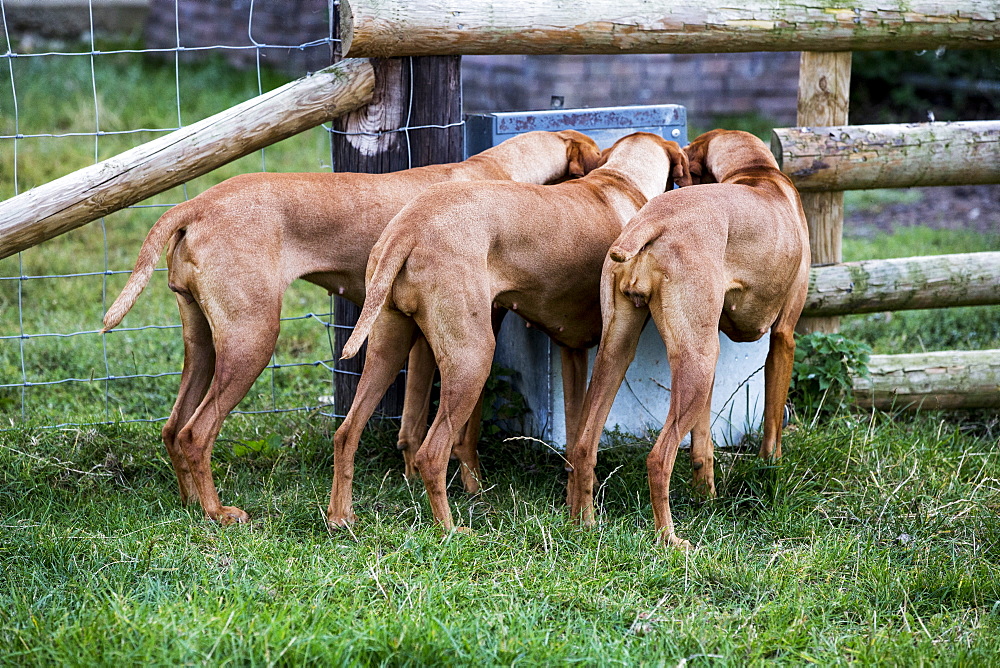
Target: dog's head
[582,153]
[678,171]
[717,155]
[697,154]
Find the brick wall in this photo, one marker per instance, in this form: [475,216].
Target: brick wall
[226,22]
[708,85]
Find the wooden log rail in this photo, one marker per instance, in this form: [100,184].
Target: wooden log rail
[89,193]
[384,28]
[928,381]
[933,281]
[852,157]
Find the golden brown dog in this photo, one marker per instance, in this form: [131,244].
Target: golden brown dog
[235,249]
[733,256]
[459,252]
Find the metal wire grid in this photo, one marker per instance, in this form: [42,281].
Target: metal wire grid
[22,337]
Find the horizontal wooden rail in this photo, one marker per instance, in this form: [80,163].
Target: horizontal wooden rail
[932,281]
[851,157]
[939,380]
[384,28]
[89,193]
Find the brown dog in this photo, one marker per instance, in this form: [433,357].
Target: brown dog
[733,256]
[459,252]
[236,248]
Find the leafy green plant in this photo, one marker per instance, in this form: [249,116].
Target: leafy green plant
[824,366]
[502,404]
[268,445]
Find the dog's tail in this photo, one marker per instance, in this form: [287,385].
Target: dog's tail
[391,258]
[634,238]
[149,255]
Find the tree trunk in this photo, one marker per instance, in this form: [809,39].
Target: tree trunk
[889,156]
[374,144]
[939,380]
[89,193]
[384,28]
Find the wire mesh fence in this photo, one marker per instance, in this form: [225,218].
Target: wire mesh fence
[65,105]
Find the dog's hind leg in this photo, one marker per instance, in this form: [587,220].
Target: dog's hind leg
[616,352]
[389,343]
[466,448]
[420,369]
[703,452]
[199,366]
[777,376]
[463,345]
[691,338]
[244,342]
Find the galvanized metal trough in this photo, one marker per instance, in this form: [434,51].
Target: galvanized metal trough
[643,400]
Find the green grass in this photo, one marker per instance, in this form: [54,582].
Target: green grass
[873,541]
[878,199]
[751,122]
[962,328]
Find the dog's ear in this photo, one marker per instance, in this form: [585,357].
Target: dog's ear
[582,153]
[604,156]
[680,167]
[697,153]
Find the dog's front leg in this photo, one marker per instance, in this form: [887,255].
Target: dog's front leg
[574,378]
[777,376]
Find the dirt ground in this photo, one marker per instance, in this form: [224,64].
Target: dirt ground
[952,207]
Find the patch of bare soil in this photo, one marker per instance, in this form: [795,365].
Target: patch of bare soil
[953,207]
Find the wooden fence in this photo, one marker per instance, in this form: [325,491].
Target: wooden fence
[824,155]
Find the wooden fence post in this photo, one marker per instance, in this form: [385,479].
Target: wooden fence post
[824,89]
[408,92]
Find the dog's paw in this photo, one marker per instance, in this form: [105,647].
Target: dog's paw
[583,516]
[341,521]
[671,540]
[228,515]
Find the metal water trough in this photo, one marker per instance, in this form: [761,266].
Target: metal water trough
[643,400]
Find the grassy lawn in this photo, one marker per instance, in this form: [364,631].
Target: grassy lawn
[873,541]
